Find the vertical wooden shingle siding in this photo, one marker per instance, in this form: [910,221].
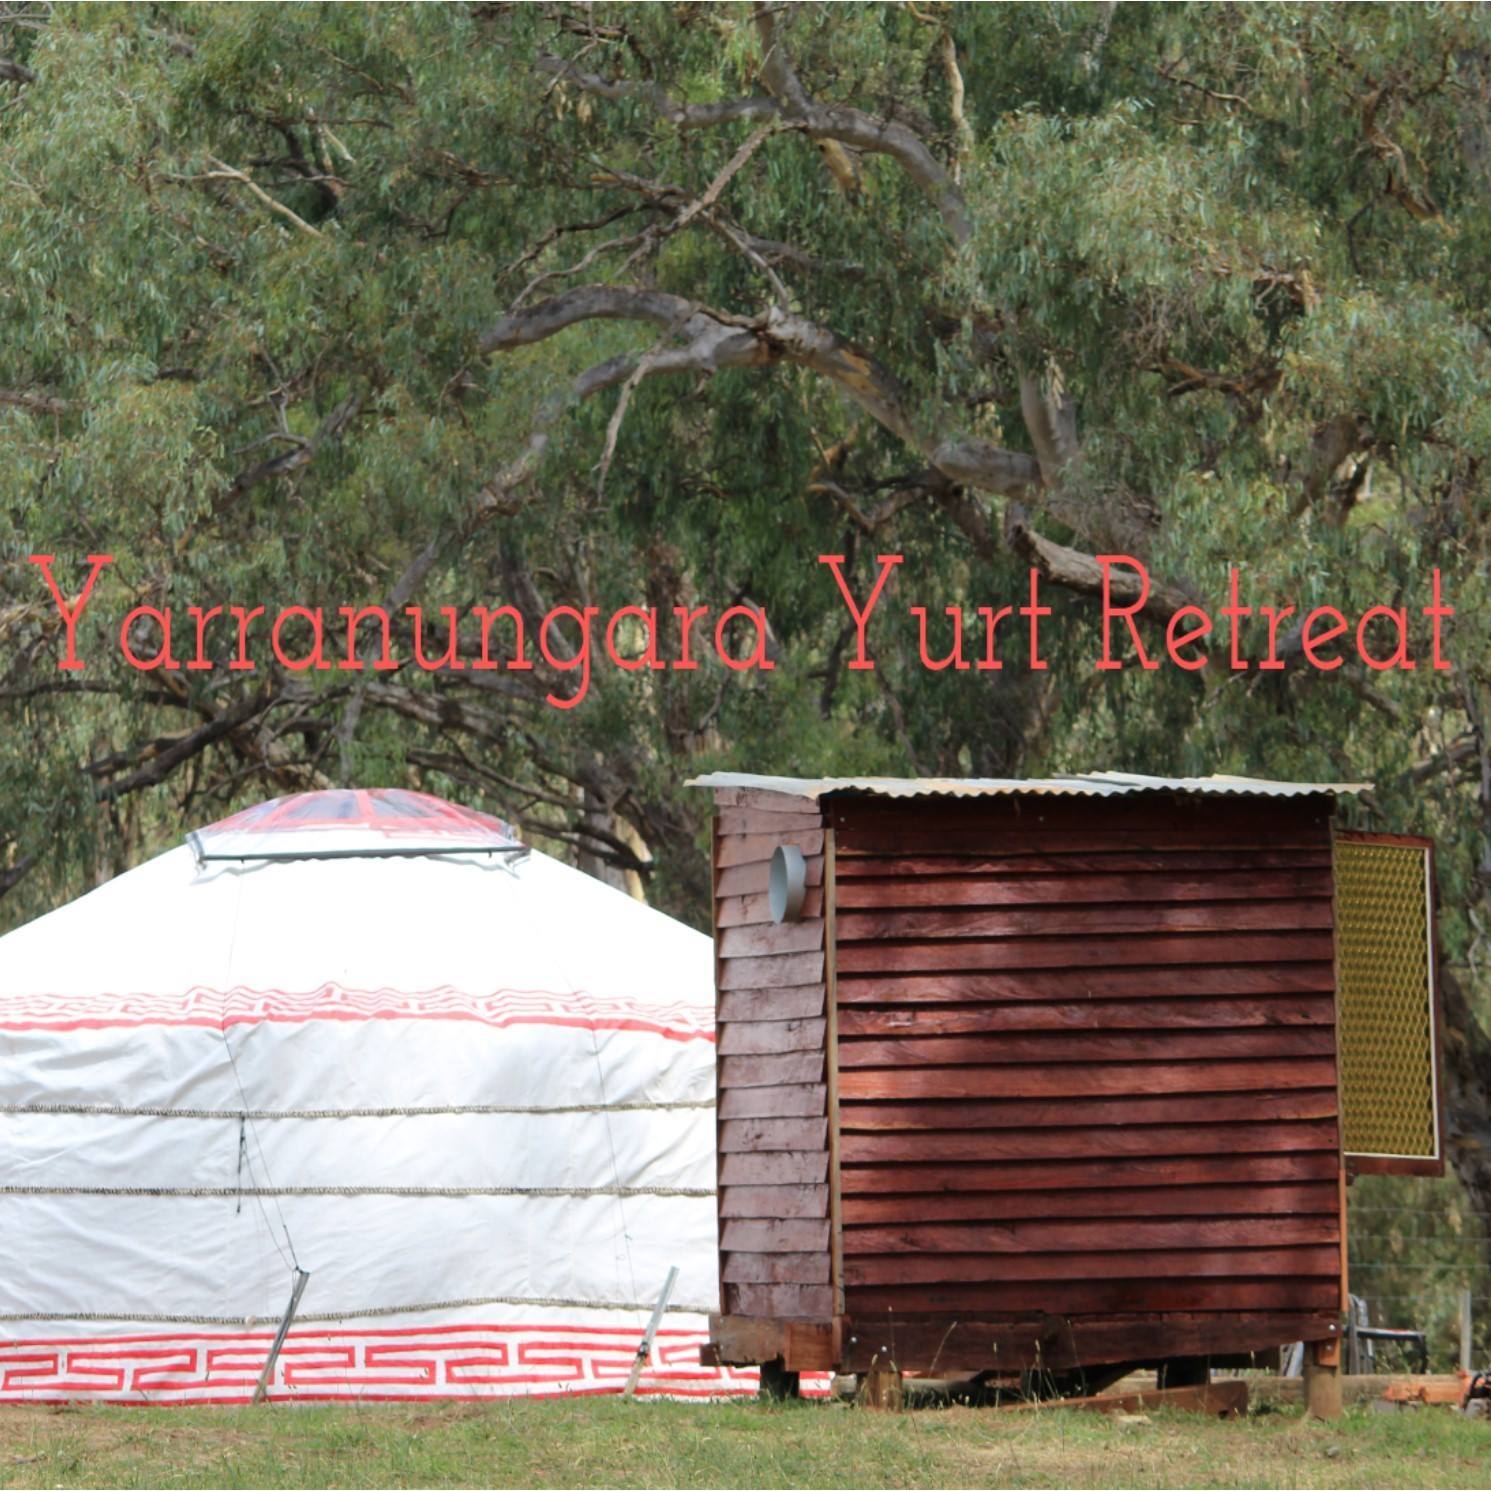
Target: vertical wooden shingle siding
[773,1108]
[1087,1059]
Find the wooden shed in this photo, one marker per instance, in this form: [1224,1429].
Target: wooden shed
[1055,1074]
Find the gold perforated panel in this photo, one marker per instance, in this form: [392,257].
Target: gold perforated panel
[1384,971]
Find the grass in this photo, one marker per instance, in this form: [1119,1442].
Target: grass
[585,1442]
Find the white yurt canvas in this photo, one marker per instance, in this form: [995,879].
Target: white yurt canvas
[367,1035]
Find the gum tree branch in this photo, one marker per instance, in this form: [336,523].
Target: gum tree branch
[158,759]
[225,172]
[33,401]
[714,339]
[790,102]
[303,453]
[1073,570]
[860,131]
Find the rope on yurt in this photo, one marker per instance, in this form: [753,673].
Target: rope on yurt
[542,1192]
[104,1110]
[547,1302]
[258,1193]
[293,1261]
[626,1236]
[242,1159]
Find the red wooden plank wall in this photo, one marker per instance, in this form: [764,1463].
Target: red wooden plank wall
[1086,1058]
[773,1112]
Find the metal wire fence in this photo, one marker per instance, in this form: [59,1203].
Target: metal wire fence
[1414,1251]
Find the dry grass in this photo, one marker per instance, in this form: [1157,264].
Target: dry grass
[605,1442]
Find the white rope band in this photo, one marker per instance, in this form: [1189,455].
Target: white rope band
[99,1110]
[231,1192]
[431,1307]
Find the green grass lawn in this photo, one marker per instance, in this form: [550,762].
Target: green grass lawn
[606,1442]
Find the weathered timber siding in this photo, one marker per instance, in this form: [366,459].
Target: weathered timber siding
[1086,1062]
[773,1108]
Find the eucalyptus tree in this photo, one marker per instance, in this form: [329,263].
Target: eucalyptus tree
[612,305]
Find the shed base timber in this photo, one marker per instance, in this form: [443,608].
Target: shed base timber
[746,1341]
[933,1343]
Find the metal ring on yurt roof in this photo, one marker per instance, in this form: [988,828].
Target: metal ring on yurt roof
[354,823]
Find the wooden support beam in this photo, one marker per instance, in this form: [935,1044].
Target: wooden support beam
[948,1344]
[1225,1399]
[799,1345]
[881,1388]
[1323,1379]
[1366,1388]
[1444,1388]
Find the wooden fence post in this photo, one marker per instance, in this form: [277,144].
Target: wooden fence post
[1323,1379]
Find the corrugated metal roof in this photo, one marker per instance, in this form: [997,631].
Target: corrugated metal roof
[1085,784]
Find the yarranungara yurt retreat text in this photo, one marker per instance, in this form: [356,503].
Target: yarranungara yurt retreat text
[570,639]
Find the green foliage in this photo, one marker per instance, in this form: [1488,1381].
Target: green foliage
[1414,1247]
[1228,230]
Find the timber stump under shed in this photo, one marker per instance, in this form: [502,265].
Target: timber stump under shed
[1019,1075]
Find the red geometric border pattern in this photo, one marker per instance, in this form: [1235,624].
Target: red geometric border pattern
[218,1009]
[410,1363]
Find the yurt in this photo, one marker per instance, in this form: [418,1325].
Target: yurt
[366,1052]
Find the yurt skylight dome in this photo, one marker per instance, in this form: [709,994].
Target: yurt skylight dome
[344,823]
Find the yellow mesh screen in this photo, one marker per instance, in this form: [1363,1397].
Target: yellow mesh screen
[1385,1010]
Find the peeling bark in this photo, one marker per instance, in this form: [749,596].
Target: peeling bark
[716,340]
[1074,570]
